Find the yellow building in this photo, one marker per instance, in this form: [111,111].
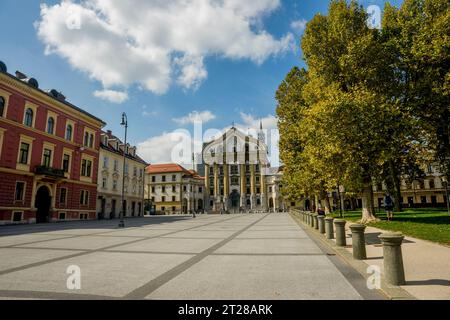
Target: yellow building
[235,172]
[427,192]
[172,189]
[110,176]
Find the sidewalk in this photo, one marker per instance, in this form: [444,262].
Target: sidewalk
[427,264]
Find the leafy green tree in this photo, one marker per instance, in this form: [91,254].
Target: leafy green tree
[418,34]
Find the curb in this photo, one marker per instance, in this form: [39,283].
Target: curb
[390,291]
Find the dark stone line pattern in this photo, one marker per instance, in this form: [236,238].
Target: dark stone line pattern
[151,286]
[353,277]
[102,233]
[22,294]
[85,252]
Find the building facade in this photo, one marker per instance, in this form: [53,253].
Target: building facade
[173,189]
[235,167]
[48,154]
[427,192]
[111,174]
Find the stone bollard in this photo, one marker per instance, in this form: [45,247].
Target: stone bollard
[313,221]
[316,221]
[339,225]
[321,220]
[329,230]
[309,219]
[358,241]
[394,272]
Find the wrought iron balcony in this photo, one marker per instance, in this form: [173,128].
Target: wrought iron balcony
[50,172]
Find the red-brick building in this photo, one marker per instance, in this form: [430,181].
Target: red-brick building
[49,152]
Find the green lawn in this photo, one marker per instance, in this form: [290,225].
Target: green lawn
[428,224]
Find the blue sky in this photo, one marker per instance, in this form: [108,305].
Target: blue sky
[226,81]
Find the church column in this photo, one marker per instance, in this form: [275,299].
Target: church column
[252,186]
[216,185]
[206,193]
[264,198]
[226,185]
[243,186]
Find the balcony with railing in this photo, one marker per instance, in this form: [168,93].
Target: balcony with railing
[50,172]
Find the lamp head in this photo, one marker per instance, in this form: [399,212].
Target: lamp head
[124,119]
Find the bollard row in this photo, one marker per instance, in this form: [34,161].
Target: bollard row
[394,272]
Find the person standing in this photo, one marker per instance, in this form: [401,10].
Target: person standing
[389,207]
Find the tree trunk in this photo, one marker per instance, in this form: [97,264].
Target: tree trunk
[368,210]
[324,196]
[327,205]
[313,204]
[396,184]
[352,204]
[341,201]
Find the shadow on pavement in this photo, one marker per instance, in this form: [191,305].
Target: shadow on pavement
[89,224]
[372,238]
[430,282]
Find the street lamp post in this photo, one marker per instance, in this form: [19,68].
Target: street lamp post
[445,181]
[125,124]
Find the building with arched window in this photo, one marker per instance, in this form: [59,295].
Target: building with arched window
[110,177]
[172,189]
[46,174]
[235,167]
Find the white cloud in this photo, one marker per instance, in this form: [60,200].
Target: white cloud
[299,25]
[268,122]
[149,42]
[195,116]
[172,147]
[177,146]
[192,72]
[148,113]
[111,96]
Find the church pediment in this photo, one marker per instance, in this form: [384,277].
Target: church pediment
[235,144]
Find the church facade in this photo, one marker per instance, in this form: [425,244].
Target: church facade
[235,167]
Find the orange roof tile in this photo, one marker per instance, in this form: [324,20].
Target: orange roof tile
[172,168]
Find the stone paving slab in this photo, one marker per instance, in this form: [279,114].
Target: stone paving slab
[26,238]
[106,274]
[268,246]
[170,245]
[141,232]
[250,277]
[21,257]
[82,243]
[278,234]
[243,256]
[198,234]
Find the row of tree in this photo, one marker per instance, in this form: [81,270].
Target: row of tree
[373,104]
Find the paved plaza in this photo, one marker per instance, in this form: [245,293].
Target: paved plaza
[237,257]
